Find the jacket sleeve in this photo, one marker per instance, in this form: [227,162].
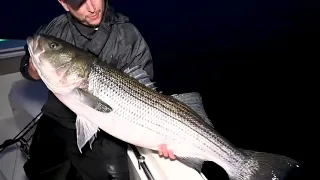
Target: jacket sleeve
[143,56]
[24,64]
[137,51]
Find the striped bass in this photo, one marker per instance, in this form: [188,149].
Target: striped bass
[126,105]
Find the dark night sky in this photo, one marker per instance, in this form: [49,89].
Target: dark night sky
[250,60]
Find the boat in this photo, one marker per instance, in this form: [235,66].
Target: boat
[20,108]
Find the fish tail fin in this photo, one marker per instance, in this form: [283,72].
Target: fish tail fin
[264,166]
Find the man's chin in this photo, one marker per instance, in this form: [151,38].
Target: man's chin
[94,23]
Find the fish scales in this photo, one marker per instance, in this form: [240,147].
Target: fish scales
[128,93]
[113,91]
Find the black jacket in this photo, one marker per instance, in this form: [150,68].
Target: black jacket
[116,41]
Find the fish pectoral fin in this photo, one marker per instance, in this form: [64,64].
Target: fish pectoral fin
[86,131]
[140,75]
[93,102]
[194,101]
[192,162]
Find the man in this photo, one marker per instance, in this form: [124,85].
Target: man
[94,26]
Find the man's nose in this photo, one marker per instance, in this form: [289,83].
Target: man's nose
[90,6]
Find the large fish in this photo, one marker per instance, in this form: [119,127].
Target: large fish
[126,105]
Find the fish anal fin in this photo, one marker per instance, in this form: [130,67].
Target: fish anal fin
[86,132]
[192,162]
[194,101]
[93,102]
[140,75]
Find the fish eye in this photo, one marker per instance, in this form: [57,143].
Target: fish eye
[53,45]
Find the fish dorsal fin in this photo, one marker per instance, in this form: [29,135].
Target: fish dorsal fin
[194,101]
[140,75]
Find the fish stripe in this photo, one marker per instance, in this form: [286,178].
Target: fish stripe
[170,107]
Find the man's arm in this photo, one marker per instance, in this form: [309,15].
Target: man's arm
[143,57]
[136,51]
[139,54]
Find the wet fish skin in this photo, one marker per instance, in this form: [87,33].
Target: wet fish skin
[127,106]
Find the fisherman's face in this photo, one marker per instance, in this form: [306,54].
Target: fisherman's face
[89,13]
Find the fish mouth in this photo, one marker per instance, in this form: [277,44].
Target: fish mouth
[30,44]
[35,49]
[33,42]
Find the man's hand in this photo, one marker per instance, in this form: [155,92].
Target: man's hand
[32,71]
[163,151]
